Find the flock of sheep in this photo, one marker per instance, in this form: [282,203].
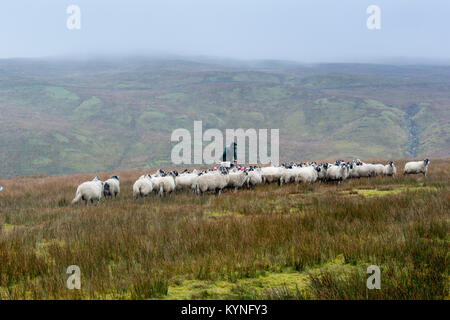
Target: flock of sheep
[219,178]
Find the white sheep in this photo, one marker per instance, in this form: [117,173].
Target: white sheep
[365,170]
[143,186]
[212,181]
[415,167]
[337,172]
[288,175]
[89,191]
[163,184]
[377,169]
[111,187]
[186,180]
[390,169]
[271,174]
[236,179]
[308,174]
[254,177]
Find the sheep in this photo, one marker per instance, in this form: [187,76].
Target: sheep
[254,177]
[337,172]
[163,183]
[354,169]
[415,167]
[288,174]
[185,180]
[389,169]
[365,170]
[378,169]
[212,181]
[236,179]
[89,191]
[111,187]
[143,186]
[271,174]
[322,174]
[308,174]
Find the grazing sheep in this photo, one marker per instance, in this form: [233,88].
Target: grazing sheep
[354,169]
[389,169]
[271,174]
[365,170]
[186,180]
[143,186]
[288,174]
[254,177]
[308,174]
[337,172]
[89,191]
[163,183]
[415,167]
[212,181]
[236,179]
[111,187]
[378,169]
[322,174]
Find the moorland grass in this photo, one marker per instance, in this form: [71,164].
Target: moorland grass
[294,242]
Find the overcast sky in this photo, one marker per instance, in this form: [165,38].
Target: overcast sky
[299,30]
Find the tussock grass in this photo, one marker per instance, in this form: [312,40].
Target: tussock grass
[253,244]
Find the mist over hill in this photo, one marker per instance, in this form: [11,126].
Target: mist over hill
[67,116]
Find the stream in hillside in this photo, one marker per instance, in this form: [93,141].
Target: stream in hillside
[412,130]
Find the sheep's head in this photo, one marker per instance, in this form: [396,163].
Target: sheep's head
[427,161]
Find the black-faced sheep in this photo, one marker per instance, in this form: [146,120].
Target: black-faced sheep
[212,181]
[415,167]
[389,169]
[111,187]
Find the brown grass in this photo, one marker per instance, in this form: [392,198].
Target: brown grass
[138,249]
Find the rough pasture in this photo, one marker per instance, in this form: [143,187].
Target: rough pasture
[290,242]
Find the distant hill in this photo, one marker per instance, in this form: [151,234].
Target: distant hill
[62,116]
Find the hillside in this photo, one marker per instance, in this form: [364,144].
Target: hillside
[85,116]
